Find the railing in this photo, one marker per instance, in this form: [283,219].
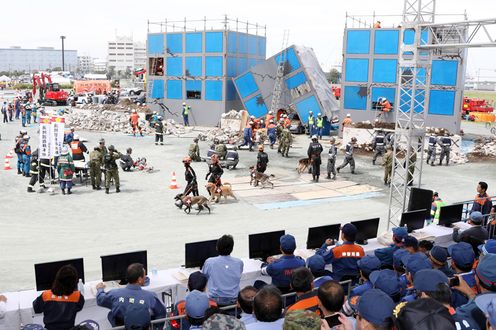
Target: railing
[166,321]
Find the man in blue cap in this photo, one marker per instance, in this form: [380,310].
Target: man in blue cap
[411,244]
[197,304]
[487,304]
[385,255]
[485,275]
[316,264]
[281,269]
[439,259]
[489,247]
[375,311]
[388,282]
[344,257]
[462,261]
[476,232]
[399,267]
[366,265]
[414,263]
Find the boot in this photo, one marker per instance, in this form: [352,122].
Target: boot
[63,191]
[107,191]
[98,188]
[353,172]
[30,189]
[117,190]
[338,169]
[156,143]
[432,164]
[334,177]
[313,178]
[69,191]
[373,162]
[328,176]
[19,171]
[317,178]
[94,187]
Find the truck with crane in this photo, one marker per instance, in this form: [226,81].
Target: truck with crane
[49,93]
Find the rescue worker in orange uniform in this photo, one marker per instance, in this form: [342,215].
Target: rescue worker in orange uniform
[78,149]
[384,105]
[134,121]
[347,121]
[377,25]
[287,122]
[268,118]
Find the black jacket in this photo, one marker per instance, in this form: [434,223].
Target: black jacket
[59,312]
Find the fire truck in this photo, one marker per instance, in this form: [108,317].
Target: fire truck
[475,105]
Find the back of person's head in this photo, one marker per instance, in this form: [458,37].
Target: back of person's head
[65,281]
[137,317]
[225,245]
[197,281]
[267,304]
[424,314]
[287,243]
[425,246]
[302,280]
[375,310]
[196,305]
[349,232]
[135,272]
[486,272]
[331,296]
[483,185]
[245,299]
[434,284]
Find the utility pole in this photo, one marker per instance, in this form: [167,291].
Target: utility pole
[63,60]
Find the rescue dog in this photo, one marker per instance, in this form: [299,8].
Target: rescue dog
[217,192]
[259,177]
[189,201]
[303,164]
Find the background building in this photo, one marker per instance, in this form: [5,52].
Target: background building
[198,67]
[123,54]
[85,64]
[100,65]
[41,58]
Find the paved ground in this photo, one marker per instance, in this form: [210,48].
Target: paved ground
[43,227]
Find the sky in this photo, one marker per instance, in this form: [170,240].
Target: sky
[318,24]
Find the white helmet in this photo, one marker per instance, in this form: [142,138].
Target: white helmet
[314,137]
[25,137]
[252,117]
[270,112]
[348,115]
[133,111]
[184,103]
[319,114]
[154,112]
[64,150]
[160,117]
[76,137]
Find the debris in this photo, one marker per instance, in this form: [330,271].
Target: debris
[485,148]
[224,135]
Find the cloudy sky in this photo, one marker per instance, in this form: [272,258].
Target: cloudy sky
[319,24]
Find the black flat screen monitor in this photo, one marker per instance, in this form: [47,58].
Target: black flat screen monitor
[114,266]
[413,220]
[317,235]
[196,253]
[264,245]
[45,273]
[450,214]
[367,229]
[420,199]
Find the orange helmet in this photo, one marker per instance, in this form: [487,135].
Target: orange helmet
[187,160]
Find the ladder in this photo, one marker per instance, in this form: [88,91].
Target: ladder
[276,94]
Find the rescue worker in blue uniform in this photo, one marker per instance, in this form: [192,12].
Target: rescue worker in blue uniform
[439,257]
[431,149]
[445,143]
[378,145]
[272,133]
[248,136]
[385,255]
[119,300]
[462,261]
[313,152]
[26,155]
[348,157]
[316,264]
[281,269]
[69,137]
[344,258]
[17,150]
[413,263]
[331,160]
[388,282]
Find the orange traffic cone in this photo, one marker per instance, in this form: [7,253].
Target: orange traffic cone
[6,164]
[10,154]
[173,183]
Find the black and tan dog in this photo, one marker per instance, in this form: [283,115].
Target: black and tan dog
[189,201]
[303,164]
[259,177]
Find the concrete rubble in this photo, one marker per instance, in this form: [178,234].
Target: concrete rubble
[230,131]
[484,148]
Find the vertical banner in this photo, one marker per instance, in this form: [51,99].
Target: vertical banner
[46,138]
[58,124]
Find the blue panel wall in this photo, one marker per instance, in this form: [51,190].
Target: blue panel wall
[256,106]
[442,103]
[246,84]
[291,58]
[231,67]
[213,66]
[242,43]
[296,80]
[231,93]
[358,42]
[174,42]
[386,42]
[444,72]
[156,43]
[214,42]
[174,66]
[252,62]
[174,89]
[357,70]
[193,85]
[261,46]
[194,66]
[194,42]
[409,37]
[213,90]
[389,93]
[307,105]
[384,71]
[242,64]
[232,38]
[355,97]
[158,89]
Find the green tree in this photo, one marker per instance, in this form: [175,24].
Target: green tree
[334,76]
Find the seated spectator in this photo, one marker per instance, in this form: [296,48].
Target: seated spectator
[482,201]
[385,255]
[425,246]
[413,263]
[424,314]
[223,322]
[60,304]
[344,257]
[316,264]
[198,308]
[411,244]
[223,273]
[196,281]
[374,312]
[487,304]
[306,296]
[119,300]
[281,269]
[137,318]
[439,260]
[268,309]
[301,320]
[487,248]
[388,282]
[432,283]
[476,232]
[245,303]
[485,275]
[399,268]
[331,299]
[462,261]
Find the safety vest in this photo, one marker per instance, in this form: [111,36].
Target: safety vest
[379,140]
[386,106]
[446,141]
[436,209]
[349,149]
[185,110]
[310,120]
[76,150]
[320,122]
[432,141]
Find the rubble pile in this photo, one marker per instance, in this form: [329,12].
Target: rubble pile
[224,135]
[233,114]
[484,148]
[369,125]
[123,106]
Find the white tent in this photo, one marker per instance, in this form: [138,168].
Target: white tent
[4,78]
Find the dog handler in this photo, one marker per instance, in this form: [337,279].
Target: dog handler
[190,177]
